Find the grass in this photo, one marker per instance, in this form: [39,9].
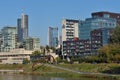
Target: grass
[54,72]
[87,67]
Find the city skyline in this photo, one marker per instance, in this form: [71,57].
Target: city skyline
[43,14]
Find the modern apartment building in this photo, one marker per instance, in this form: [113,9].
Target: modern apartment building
[69,29]
[8,38]
[22,24]
[100,37]
[76,48]
[32,43]
[53,36]
[106,14]
[19,30]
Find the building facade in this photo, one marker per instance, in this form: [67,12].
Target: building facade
[85,27]
[106,14]
[22,24]
[19,30]
[69,29]
[31,43]
[8,38]
[100,37]
[76,48]
[15,56]
[53,37]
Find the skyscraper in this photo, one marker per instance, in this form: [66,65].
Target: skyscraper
[19,30]
[22,24]
[53,36]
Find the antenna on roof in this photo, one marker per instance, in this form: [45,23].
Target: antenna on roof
[22,10]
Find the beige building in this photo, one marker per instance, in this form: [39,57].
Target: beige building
[69,29]
[15,56]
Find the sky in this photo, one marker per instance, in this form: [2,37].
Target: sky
[49,13]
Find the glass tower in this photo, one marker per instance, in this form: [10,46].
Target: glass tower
[85,27]
[22,24]
[53,37]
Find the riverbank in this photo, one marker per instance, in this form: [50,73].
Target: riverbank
[44,70]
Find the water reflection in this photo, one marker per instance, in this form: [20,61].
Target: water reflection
[25,77]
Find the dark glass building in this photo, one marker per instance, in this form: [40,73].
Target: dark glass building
[90,24]
[53,36]
[106,14]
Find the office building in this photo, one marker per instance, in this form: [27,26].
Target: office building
[69,29]
[106,14]
[85,27]
[53,36]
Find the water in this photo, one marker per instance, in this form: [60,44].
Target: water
[9,76]
[28,77]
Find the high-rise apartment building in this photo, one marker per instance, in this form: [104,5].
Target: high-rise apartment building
[69,29]
[100,37]
[53,36]
[106,14]
[32,43]
[22,24]
[9,38]
[19,30]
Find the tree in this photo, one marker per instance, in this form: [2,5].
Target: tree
[47,48]
[36,53]
[116,35]
[110,52]
[26,61]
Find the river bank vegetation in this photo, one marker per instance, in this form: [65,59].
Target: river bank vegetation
[43,70]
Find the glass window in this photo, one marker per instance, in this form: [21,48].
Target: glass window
[106,15]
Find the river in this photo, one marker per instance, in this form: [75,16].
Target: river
[11,76]
[7,76]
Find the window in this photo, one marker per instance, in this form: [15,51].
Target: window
[106,15]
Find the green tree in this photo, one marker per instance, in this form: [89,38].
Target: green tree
[110,53]
[26,61]
[47,48]
[36,53]
[116,35]
[52,48]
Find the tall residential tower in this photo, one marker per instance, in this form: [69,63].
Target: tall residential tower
[69,29]
[22,24]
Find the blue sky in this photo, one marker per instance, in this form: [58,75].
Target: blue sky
[45,13]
